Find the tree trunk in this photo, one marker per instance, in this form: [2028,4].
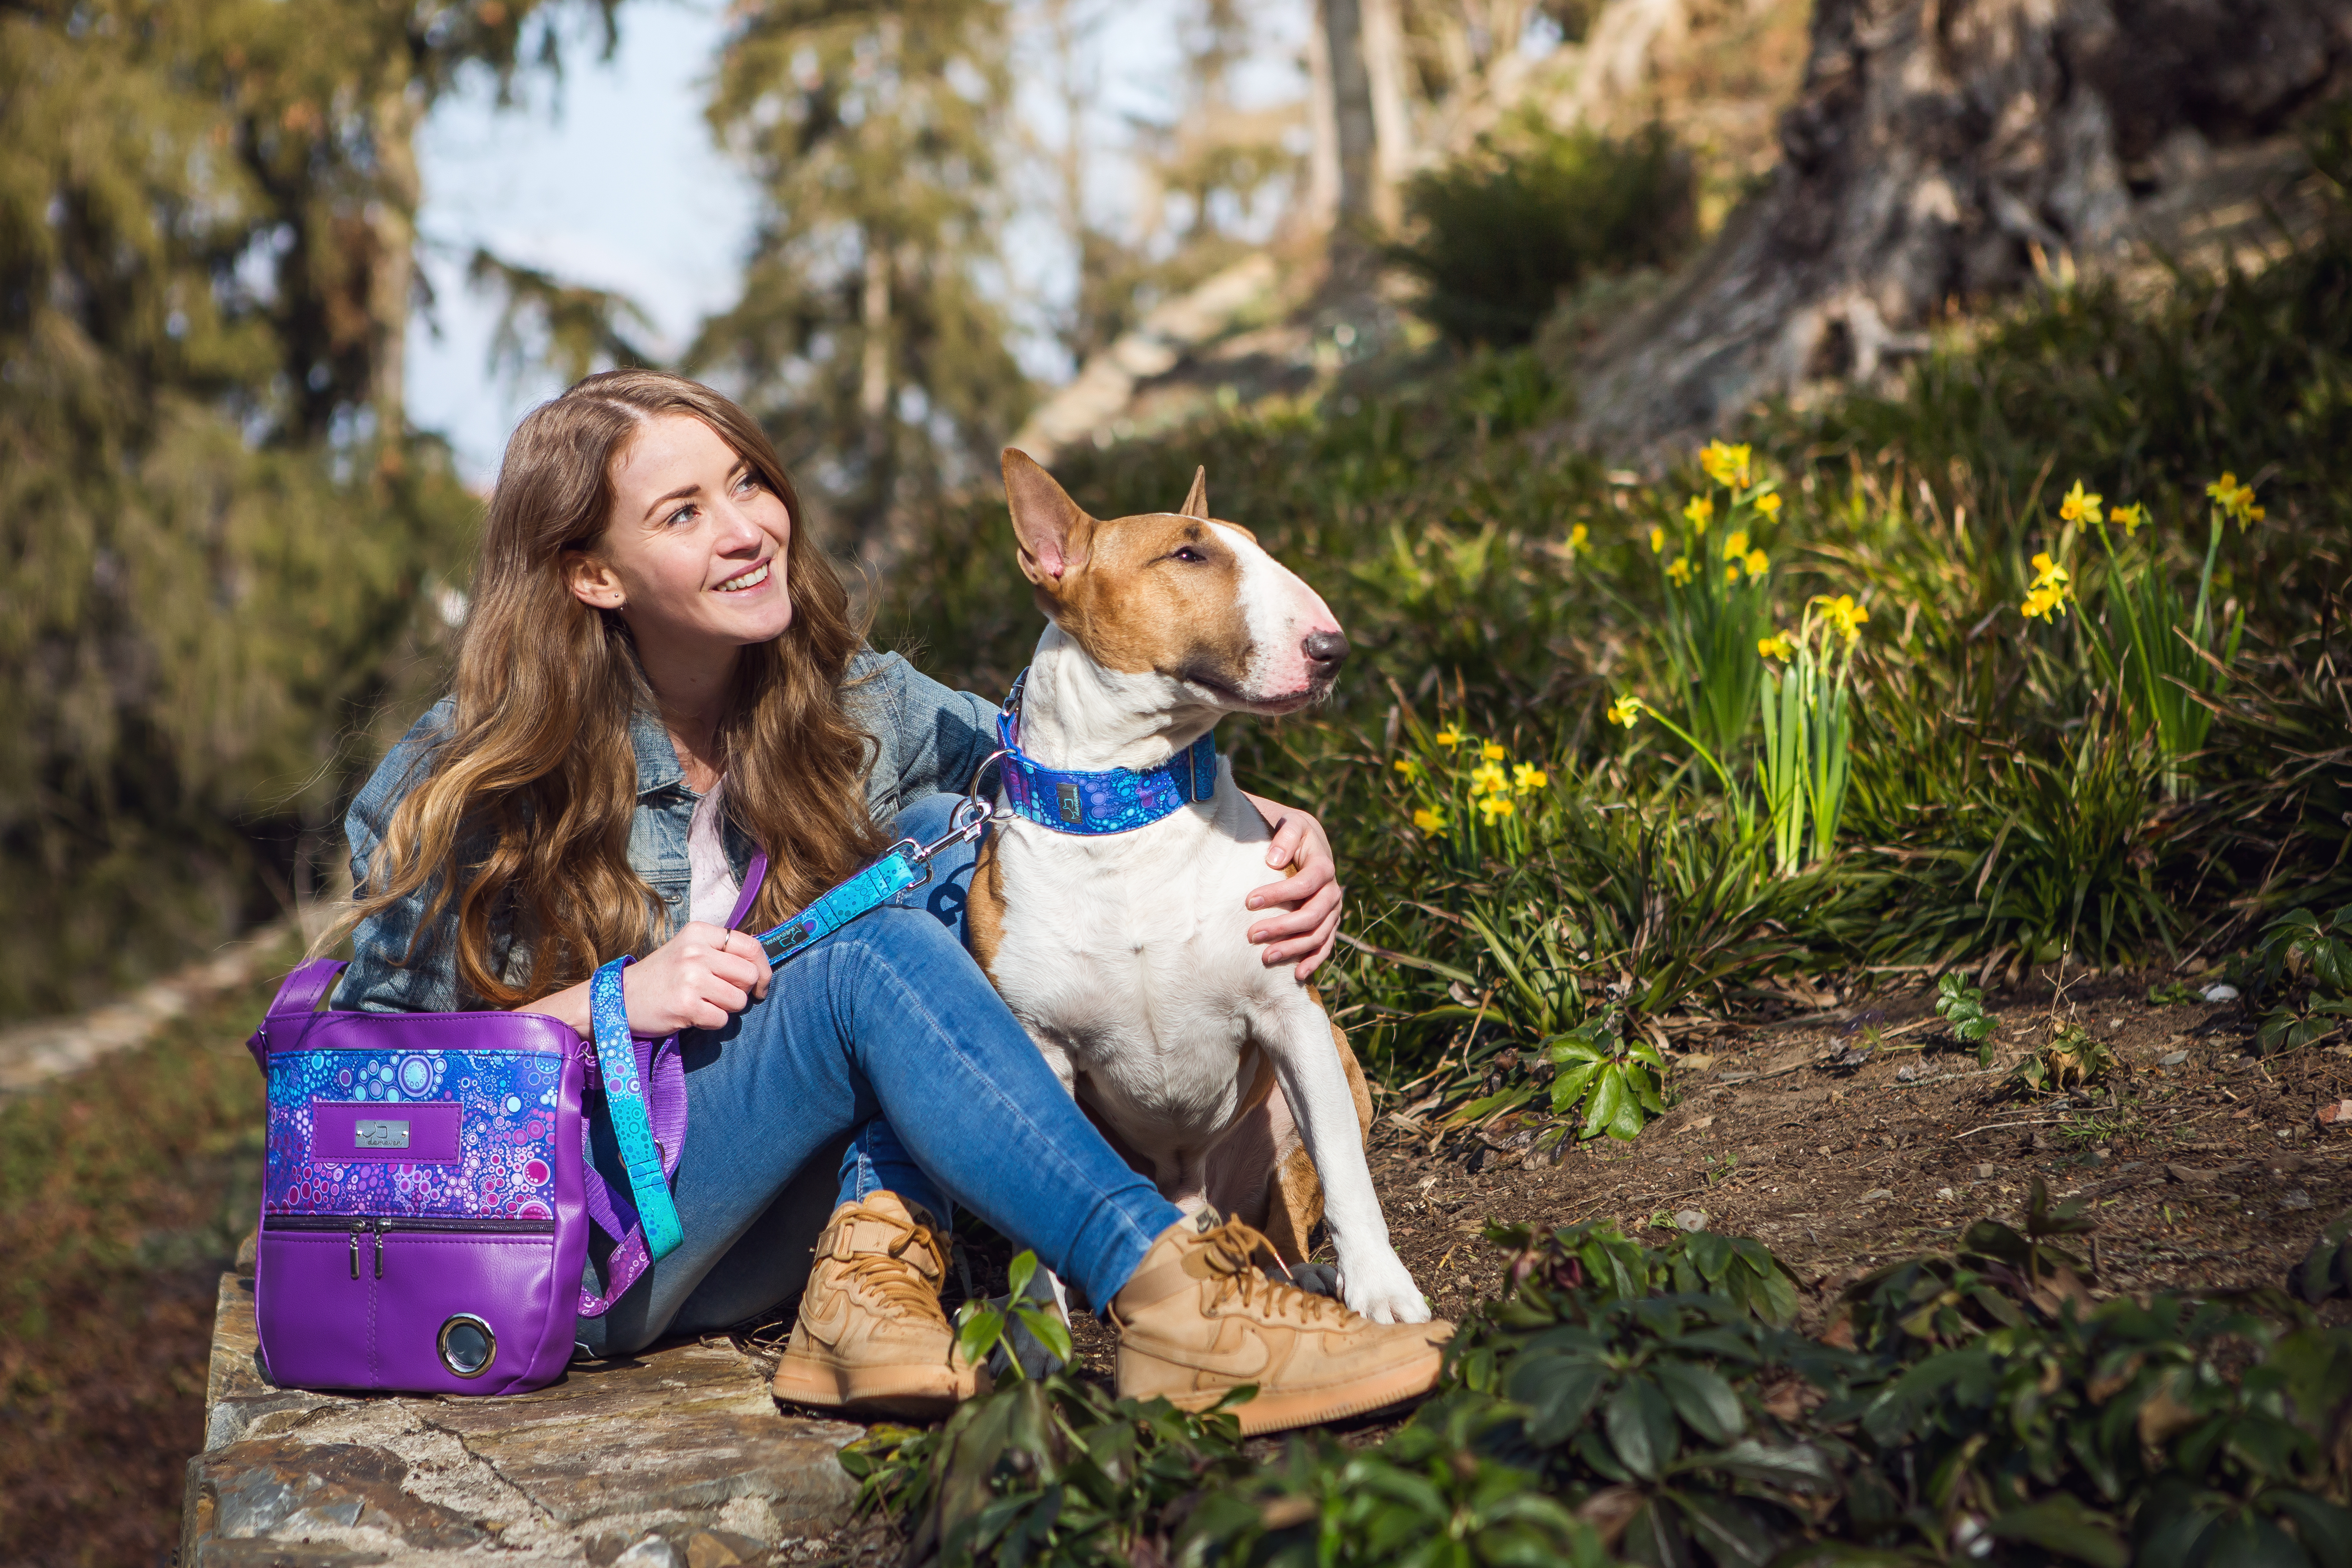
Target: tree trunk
[391,280]
[1352,115]
[1384,76]
[1942,152]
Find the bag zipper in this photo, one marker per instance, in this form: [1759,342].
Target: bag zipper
[358,1225]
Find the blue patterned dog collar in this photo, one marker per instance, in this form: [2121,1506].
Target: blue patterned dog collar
[1116,800]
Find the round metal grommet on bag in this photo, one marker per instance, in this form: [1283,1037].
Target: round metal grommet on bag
[467,1346]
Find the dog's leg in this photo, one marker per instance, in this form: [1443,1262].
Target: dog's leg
[1314,1083]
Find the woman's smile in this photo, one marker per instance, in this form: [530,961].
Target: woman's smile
[749,577]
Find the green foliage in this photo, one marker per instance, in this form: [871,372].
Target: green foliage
[1501,234]
[2300,976]
[866,338]
[981,1327]
[2169,662]
[1619,1082]
[1649,1405]
[1961,1006]
[2069,1055]
[223,551]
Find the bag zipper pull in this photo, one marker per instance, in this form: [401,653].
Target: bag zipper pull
[381,1226]
[359,1227]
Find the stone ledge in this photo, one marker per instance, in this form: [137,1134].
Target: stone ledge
[676,1458]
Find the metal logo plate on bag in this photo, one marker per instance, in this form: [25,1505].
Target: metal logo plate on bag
[380,1135]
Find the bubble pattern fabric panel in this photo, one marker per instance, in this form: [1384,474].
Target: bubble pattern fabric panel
[507,1107]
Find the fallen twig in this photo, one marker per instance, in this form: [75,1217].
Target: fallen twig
[1991,1126]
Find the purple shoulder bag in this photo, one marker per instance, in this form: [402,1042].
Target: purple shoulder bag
[425,1209]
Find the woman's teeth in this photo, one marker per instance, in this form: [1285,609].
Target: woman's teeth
[748,580]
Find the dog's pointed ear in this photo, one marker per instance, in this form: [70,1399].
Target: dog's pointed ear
[1196,499]
[1052,529]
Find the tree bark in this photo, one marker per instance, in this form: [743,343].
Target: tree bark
[1358,143]
[391,280]
[1941,152]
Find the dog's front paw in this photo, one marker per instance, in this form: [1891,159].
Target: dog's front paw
[1382,1289]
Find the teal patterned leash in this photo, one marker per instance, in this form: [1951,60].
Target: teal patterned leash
[625,1099]
[906,865]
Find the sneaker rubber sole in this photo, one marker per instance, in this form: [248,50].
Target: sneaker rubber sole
[1279,1410]
[918,1392]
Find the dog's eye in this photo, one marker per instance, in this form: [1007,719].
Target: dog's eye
[1186,553]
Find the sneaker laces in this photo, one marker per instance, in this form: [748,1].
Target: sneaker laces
[1232,1250]
[889,1279]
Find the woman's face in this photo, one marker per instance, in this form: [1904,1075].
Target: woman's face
[693,556]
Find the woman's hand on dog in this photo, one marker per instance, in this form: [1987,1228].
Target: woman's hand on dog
[1309,899]
[693,981]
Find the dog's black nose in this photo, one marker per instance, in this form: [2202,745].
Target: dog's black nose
[1325,647]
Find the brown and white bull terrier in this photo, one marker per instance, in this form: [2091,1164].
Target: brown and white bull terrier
[1125,955]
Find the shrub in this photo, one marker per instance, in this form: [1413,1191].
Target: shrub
[1501,233]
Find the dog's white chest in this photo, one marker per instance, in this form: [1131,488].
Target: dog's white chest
[1131,954]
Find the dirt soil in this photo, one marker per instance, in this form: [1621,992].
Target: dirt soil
[2205,1167]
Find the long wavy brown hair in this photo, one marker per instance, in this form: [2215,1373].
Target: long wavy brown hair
[520,823]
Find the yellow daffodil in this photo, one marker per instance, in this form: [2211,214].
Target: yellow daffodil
[2131,517]
[1731,572]
[1429,821]
[1700,512]
[2078,507]
[1768,505]
[1726,466]
[1757,561]
[1492,752]
[1735,544]
[1777,645]
[1408,767]
[1449,736]
[1579,538]
[1657,542]
[2042,604]
[2048,574]
[1625,711]
[1526,776]
[2235,500]
[1846,617]
[1488,777]
[1679,570]
[1495,807]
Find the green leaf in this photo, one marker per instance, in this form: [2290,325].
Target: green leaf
[1799,1466]
[1703,1401]
[1051,1331]
[982,1327]
[1022,1269]
[2244,1539]
[2062,1525]
[1557,1391]
[2324,1528]
[1641,1426]
[1608,1096]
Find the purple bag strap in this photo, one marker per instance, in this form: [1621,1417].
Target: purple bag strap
[297,994]
[661,1067]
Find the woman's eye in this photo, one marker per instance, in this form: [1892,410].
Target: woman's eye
[682,515]
[747,484]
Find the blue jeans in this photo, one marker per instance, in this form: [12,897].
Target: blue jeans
[888,1017]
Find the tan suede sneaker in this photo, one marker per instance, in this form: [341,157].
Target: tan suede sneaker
[871,1336]
[1200,1318]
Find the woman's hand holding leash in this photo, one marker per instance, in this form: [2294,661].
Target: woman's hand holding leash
[693,981]
[1308,924]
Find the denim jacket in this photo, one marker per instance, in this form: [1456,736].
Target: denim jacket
[927,739]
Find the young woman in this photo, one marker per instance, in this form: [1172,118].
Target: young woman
[658,672]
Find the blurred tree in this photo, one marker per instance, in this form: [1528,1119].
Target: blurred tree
[216,532]
[871,336]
